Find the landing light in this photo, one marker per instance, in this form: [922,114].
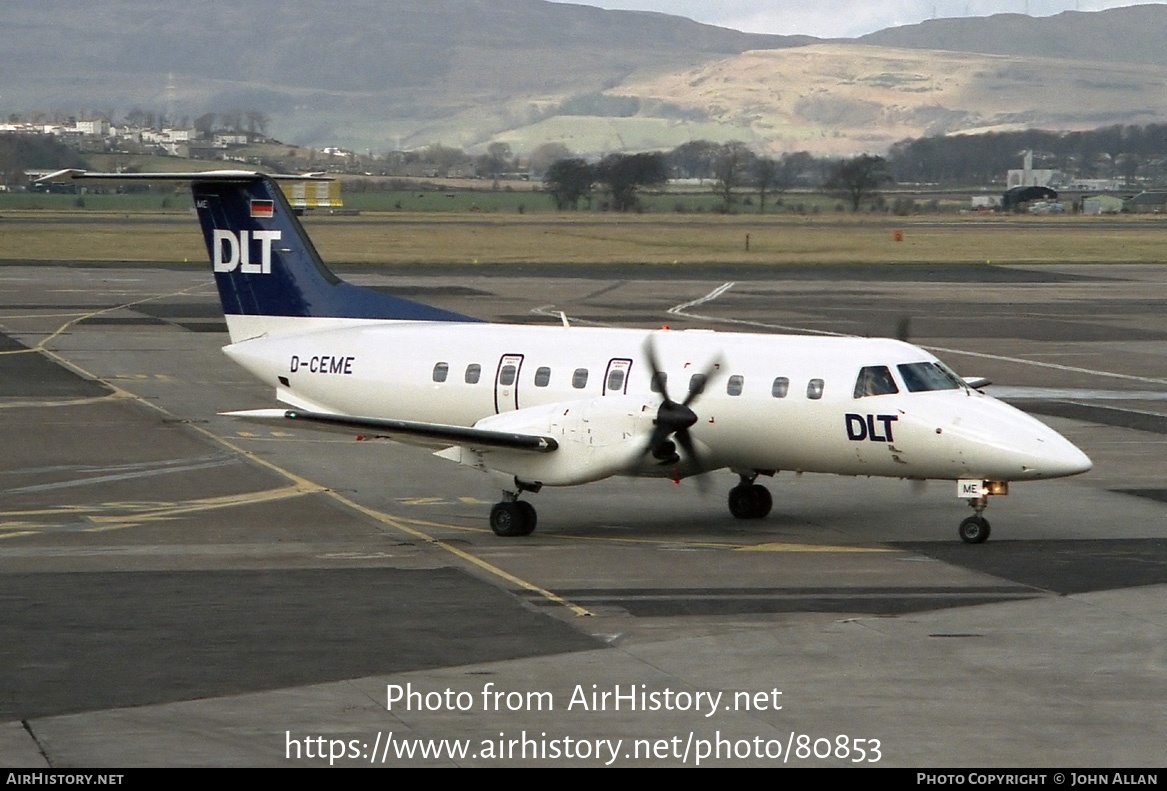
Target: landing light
[973,489]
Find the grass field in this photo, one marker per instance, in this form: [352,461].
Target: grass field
[485,238]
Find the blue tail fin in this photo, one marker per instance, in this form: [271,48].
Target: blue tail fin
[265,264]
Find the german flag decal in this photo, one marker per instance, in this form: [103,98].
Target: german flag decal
[262,208]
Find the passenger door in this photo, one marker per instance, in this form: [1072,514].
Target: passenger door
[616,377]
[506,383]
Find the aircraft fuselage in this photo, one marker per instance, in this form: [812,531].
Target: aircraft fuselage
[773,402]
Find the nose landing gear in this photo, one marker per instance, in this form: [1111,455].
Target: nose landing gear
[975,529]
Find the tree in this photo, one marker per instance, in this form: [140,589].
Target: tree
[443,159]
[257,122]
[22,152]
[205,124]
[731,168]
[768,178]
[497,159]
[859,178]
[1128,166]
[546,155]
[625,174]
[568,180]
[694,160]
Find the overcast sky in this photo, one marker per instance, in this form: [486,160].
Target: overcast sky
[844,18]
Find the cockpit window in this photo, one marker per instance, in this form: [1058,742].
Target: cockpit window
[875,380]
[922,377]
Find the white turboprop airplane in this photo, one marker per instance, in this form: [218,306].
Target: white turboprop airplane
[562,405]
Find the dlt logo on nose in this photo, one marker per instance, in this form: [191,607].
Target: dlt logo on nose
[860,427]
[231,251]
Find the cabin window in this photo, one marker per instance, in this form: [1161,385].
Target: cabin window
[697,384]
[579,379]
[921,377]
[875,380]
[814,389]
[542,377]
[780,387]
[734,386]
[441,371]
[616,380]
[506,377]
[660,382]
[473,373]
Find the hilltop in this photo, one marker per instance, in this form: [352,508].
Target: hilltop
[372,76]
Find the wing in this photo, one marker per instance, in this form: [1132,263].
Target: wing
[436,434]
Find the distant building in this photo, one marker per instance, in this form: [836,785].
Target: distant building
[1102,204]
[1017,198]
[1094,185]
[1033,178]
[1028,177]
[167,136]
[983,202]
[1150,202]
[96,127]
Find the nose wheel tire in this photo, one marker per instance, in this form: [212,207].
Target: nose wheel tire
[974,530]
[750,501]
[509,519]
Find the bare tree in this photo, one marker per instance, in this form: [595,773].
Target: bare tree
[768,180]
[858,179]
[731,168]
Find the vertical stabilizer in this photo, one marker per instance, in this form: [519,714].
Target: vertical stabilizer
[268,273]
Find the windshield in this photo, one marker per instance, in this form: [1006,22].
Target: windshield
[921,377]
[875,380]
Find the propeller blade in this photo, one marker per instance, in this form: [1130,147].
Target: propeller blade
[674,420]
[686,442]
[708,376]
[699,477]
[658,376]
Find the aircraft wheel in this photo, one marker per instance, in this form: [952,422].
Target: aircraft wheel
[508,519]
[530,518]
[765,501]
[974,530]
[748,501]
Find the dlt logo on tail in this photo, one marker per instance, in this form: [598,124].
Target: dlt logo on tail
[233,251]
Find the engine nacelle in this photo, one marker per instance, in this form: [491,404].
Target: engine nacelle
[598,438]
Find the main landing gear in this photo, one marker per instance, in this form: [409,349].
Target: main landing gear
[512,516]
[749,500]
